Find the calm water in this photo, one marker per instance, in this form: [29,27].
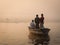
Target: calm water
[18,33]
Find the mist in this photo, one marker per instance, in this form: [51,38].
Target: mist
[25,10]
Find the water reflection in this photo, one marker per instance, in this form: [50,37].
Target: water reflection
[39,39]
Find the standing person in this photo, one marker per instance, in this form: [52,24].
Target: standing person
[42,21]
[37,21]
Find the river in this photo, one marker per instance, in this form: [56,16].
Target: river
[18,33]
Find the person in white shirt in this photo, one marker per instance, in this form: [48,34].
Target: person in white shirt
[32,24]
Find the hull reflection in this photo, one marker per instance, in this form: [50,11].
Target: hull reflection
[39,39]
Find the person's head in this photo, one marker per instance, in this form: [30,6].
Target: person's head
[42,15]
[32,20]
[36,15]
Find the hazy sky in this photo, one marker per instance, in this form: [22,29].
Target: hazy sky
[27,9]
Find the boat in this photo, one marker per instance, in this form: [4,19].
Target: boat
[39,31]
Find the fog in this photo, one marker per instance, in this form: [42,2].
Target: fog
[25,10]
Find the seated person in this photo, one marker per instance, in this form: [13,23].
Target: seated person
[32,24]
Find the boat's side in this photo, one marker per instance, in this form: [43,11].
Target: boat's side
[36,32]
[39,31]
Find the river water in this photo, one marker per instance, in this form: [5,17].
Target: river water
[18,33]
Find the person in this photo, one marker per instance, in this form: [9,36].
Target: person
[37,21]
[32,24]
[42,21]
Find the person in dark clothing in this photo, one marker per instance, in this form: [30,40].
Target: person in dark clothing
[42,21]
[37,21]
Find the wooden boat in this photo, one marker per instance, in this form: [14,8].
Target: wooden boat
[39,31]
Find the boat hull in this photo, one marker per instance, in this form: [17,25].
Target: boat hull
[39,31]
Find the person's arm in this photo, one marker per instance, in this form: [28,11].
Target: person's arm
[43,20]
[35,20]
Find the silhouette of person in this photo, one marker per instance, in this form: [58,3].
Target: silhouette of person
[37,21]
[42,21]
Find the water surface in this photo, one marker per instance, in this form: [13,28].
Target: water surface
[17,33]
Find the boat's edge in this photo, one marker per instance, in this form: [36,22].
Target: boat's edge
[38,32]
